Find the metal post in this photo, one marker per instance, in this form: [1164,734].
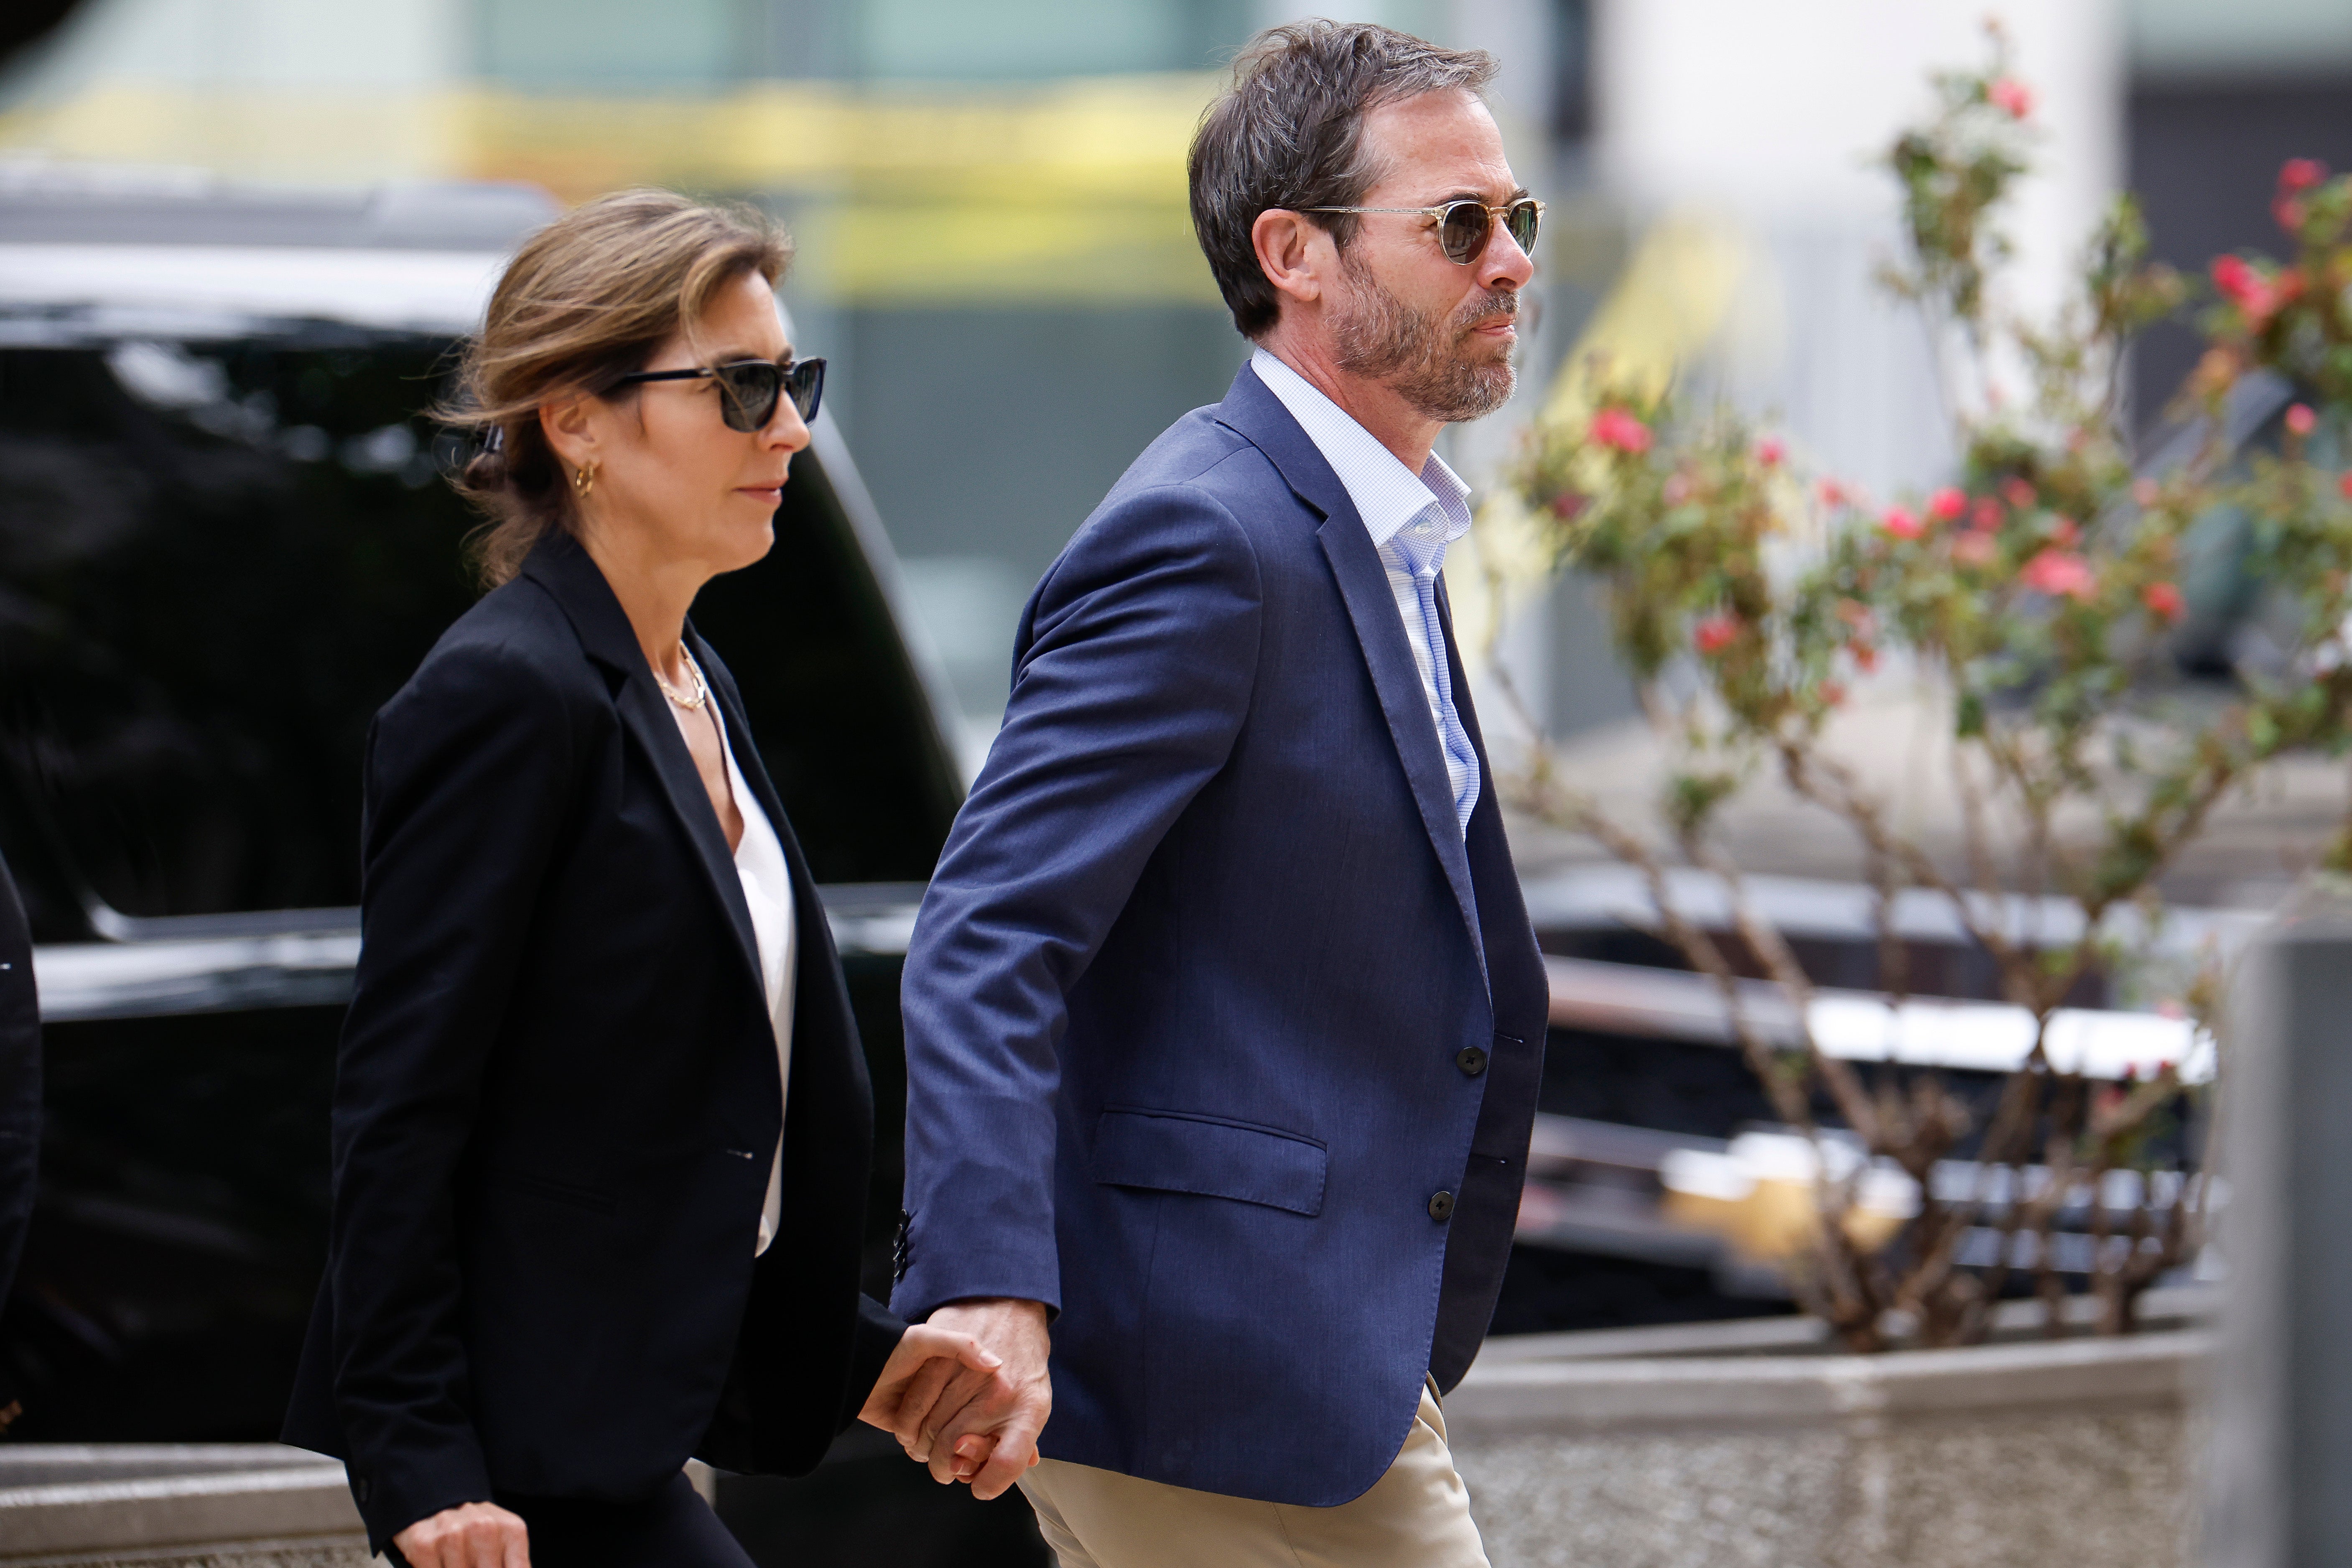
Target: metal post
[2282,1429]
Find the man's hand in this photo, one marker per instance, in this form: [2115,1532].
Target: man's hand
[983,1428]
[927,1359]
[471,1535]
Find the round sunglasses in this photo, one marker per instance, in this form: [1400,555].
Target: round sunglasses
[750,389]
[1464,227]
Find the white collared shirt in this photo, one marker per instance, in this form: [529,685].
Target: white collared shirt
[768,893]
[1389,498]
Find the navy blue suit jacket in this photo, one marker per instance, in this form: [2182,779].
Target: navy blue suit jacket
[1211,997]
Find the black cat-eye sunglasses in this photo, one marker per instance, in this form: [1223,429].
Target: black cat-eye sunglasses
[750,389]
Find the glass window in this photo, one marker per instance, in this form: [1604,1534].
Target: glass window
[1037,39]
[616,43]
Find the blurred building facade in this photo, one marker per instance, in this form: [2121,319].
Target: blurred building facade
[990,200]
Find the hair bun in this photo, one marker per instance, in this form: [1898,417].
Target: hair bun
[485,470]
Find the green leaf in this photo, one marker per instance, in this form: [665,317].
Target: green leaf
[2262,732]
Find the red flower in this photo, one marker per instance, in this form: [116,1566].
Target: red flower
[2344,483]
[1715,634]
[2301,174]
[2064,533]
[2164,599]
[2017,492]
[1769,452]
[2300,419]
[1985,515]
[2056,573]
[1975,548]
[1832,693]
[1901,524]
[1866,657]
[1947,504]
[1566,504]
[1833,493]
[2244,287]
[1615,427]
[2287,212]
[2010,95]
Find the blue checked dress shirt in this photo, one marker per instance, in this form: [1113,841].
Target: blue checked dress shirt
[1412,518]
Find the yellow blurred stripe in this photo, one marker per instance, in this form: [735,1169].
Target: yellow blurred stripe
[1667,305]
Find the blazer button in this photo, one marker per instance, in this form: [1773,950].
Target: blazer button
[1471,1060]
[1441,1207]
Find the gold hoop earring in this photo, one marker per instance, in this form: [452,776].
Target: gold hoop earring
[584,479]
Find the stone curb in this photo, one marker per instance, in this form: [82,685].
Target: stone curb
[289,1501]
[1751,1390]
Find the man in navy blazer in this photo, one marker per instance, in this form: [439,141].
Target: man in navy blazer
[1224,1016]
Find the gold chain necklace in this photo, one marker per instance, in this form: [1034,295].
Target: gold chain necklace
[691,701]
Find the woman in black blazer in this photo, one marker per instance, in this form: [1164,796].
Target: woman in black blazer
[600,1123]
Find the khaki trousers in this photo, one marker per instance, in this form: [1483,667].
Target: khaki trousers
[1415,1516]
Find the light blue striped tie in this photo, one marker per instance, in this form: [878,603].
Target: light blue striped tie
[1423,549]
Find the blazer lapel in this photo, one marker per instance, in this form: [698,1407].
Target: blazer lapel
[808,909]
[1256,414]
[1487,800]
[566,571]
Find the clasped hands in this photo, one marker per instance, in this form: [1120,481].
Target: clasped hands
[966,1394]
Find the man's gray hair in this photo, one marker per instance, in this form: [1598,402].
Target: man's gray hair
[1288,135]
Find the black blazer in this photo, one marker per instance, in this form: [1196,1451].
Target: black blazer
[556,1097]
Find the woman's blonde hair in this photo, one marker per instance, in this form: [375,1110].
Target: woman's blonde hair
[586,301]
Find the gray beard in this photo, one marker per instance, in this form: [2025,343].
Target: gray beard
[1379,337]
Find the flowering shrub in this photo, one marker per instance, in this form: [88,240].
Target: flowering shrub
[2033,595]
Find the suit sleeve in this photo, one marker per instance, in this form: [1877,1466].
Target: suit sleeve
[468,780]
[878,1333]
[1132,676]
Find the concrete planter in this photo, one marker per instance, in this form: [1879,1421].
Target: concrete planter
[1745,1445]
[1739,1445]
[212,1505]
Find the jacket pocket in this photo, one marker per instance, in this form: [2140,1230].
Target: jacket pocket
[571,1193]
[1170,1151]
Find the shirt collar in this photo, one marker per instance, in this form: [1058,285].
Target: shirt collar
[1387,494]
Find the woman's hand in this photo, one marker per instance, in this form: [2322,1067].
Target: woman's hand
[471,1535]
[985,1431]
[926,1362]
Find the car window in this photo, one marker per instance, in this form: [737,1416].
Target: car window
[218,560]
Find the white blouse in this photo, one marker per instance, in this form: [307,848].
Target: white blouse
[768,889]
